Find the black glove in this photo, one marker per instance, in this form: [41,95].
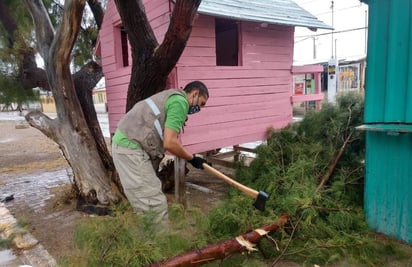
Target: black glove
[197,162]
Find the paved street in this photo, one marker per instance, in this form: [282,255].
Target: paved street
[15,116]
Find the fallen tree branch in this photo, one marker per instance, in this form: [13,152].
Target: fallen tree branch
[242,243]
[333,164]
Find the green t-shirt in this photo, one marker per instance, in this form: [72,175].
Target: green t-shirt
[176,108]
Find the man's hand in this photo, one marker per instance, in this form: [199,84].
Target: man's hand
[197,162]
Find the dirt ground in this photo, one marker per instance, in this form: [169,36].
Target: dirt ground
[25,150]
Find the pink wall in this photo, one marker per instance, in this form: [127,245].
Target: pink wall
[244,100]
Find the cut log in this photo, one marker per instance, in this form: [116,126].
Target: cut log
[242,243]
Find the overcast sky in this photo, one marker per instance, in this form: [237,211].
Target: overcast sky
[348,16]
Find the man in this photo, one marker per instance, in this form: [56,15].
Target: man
[143,134]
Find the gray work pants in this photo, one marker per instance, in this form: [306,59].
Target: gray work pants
[141,186]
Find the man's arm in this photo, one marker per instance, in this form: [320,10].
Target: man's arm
[172,144]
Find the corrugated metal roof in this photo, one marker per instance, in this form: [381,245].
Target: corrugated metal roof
[284,12]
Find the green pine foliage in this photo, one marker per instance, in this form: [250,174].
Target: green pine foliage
[11,91]
[327,223]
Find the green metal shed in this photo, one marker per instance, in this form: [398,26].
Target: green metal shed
[388,118]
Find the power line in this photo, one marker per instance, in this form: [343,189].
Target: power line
[337,10]
[327,33]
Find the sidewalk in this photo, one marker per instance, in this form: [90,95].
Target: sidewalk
[31,190]
[32,253]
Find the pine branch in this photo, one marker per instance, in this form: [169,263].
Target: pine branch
[289,241]
[330,209]
[313,248]
[333,164]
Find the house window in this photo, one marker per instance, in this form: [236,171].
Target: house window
[227,42]
[125,47]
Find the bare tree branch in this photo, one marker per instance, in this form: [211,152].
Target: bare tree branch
[30,75]
[43,26]
[8,22]
[178,33]
[141,38]
[43,123]
[97,10]
[153,63]
[88,76]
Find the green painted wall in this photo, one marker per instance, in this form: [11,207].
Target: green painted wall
[388,191]
[388,101]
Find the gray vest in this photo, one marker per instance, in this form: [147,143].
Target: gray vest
[144,123]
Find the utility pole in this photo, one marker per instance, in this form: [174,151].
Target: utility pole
[314,46]
[332,3]
[332,69]
[336,48]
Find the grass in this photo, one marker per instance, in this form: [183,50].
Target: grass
[5,243]
[128,239]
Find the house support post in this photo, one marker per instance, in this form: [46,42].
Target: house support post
[180,186]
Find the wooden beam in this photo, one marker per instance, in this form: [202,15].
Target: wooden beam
[246,149]
[222,162]
[223,159]
[180,185]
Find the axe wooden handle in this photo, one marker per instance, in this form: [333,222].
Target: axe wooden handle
[248,191]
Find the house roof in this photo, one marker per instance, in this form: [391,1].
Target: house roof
[284,12]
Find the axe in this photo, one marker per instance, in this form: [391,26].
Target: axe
[260,197]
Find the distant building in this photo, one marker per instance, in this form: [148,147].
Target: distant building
[47,103]
[100,100]
[351,75]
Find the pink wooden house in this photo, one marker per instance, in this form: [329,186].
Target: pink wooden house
[242,50]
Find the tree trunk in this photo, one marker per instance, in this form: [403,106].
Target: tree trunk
[70,129]
[152,62]
[243,243]
[84,81]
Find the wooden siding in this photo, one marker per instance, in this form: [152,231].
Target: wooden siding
[244,101]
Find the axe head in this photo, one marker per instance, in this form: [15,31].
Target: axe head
[260,202]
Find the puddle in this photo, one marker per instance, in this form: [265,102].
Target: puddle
[7,140]
[7,258]
[32,189]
